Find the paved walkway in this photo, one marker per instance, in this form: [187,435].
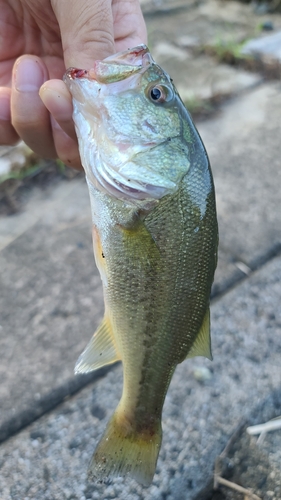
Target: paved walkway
[51,302]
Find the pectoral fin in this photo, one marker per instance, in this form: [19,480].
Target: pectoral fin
[202,343]
[139,243]
[100,351]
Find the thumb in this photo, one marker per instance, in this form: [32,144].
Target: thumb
[86,30]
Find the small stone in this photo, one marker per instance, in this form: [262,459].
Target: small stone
[37,434]
[267,26]
[202,374]
[98,412]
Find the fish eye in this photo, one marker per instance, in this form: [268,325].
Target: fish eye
[155,94]
[159,93]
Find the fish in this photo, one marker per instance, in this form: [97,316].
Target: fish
[155,239]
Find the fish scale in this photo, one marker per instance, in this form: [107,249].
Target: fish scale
[155,243]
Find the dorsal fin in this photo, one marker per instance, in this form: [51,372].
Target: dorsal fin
[100,351]
[202,343]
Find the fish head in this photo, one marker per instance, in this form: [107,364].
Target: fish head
[128,121]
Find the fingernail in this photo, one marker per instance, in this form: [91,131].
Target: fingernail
[29,75]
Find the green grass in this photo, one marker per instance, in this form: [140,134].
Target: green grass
[29,171]
[21,173]
[228,50]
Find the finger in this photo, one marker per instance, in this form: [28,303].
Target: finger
[30,118]
[86,31]
[57,99]
[8,135]
[66,147]
[129,24]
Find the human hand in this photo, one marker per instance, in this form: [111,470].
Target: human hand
[39,39]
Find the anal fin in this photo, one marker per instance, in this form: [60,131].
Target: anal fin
[100,351]
[202,344]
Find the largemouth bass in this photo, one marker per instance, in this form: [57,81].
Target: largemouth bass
[155,244]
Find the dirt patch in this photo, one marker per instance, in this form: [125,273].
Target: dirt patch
[18,186]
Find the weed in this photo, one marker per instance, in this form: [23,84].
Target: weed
[227,51]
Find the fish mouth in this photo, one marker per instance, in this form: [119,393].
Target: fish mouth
[114,68]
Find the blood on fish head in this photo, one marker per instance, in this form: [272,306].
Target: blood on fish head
[73,73]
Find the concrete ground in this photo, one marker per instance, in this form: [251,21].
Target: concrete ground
[51,299]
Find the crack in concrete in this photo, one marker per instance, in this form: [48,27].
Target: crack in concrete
[47,403]
[240,276]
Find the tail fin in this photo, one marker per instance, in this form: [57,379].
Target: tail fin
[119,453]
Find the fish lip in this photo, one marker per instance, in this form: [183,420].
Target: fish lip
[133,56]
[124,64]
